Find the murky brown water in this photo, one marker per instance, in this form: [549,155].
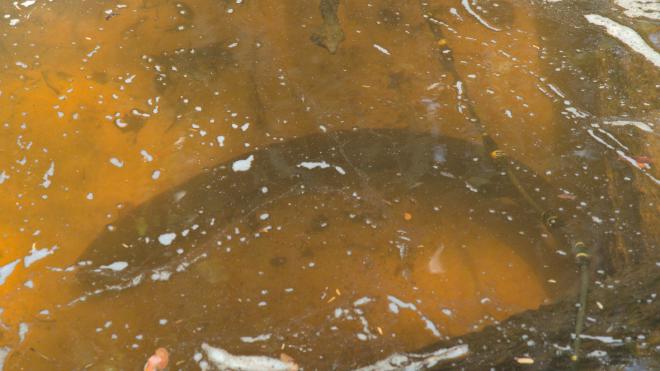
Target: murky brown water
[105,106]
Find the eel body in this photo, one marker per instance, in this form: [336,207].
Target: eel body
[374,166]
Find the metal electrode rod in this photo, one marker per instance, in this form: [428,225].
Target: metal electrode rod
[582,257]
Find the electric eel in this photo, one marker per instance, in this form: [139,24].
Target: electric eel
[370,167]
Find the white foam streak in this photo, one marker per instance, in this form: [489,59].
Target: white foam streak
[639,125]
[469,9]
[640,8]
[414,362]
[223,360]
[627,36]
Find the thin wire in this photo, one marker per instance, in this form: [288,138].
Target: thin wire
[582,257]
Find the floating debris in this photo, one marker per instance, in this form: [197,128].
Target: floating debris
[243,165]
[37,254]
[382,49]
[524,360]
[250,339]
[415,361]
[222,360]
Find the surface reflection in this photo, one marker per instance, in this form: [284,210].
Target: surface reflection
[310,178]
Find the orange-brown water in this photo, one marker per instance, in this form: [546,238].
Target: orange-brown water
[103,106]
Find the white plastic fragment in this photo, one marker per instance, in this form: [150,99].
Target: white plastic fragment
[49,173]
[320,165]
[254,339]
[243,165]
[362,301]
[314,165]
[116,266]
[166,239]
[6,270]
[3,176]
[116,162]
[381,49]
[22,331]
[597,354]
[146,156]
[37,254]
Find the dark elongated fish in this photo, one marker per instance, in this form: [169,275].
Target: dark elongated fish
[369,162]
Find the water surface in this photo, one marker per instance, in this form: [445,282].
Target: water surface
[104,106]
